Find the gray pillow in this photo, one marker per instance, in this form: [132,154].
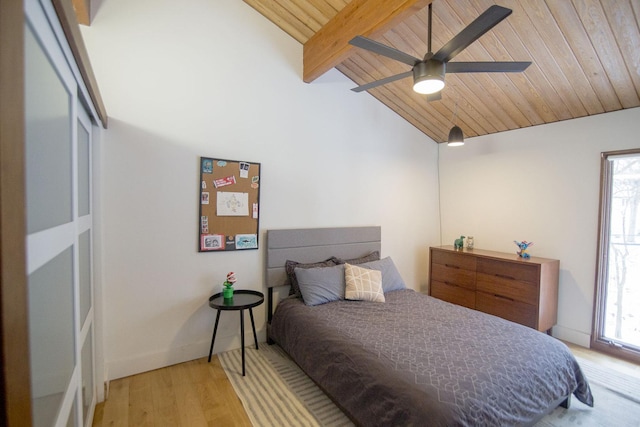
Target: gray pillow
[321,284]
[290,266]
[373,256]
[391,279]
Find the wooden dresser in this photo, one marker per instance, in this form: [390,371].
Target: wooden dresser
[502,284]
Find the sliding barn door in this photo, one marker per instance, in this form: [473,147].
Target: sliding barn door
[58,153]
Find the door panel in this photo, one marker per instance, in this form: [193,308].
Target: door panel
[59,229]
[87,388]
[48,139]
[84,256]
[84,169]
[51,335]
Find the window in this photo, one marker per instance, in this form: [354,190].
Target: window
[616,318]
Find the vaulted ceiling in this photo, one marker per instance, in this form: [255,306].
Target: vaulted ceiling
[585,57]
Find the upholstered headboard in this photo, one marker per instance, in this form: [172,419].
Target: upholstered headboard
[316,244]
[307,245]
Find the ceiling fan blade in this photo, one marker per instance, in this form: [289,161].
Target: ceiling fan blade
[382,81]
[384,50]
[487,67]
[472,32]
[434,96]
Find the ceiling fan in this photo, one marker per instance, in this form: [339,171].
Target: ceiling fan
[428,73]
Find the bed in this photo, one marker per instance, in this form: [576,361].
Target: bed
[412,359]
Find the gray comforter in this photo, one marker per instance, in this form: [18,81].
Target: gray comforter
[416,360]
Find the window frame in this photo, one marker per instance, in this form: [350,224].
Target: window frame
[598,342]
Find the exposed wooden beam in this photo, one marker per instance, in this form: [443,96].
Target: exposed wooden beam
[330,45]
[83,11]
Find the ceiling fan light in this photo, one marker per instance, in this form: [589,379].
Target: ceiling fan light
[428,77]
[428,86]
[456,138]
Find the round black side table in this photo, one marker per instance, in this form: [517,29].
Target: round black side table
[242,300]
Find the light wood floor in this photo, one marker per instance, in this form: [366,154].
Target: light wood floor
[190,394]
[198,393]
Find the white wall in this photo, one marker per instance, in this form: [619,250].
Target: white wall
[538,184]
[183,79]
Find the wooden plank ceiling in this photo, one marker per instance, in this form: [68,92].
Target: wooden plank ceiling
[585,58]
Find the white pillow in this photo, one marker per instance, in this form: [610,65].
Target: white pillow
[363,284]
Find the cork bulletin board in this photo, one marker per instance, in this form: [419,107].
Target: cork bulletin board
[229,205]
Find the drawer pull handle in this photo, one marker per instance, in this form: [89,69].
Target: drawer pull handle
[450,284]
[503,297]
[451,266]
[504,276]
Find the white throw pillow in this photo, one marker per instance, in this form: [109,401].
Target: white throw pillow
[363,284]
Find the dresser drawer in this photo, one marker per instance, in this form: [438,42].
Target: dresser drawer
[517,290]
[515,311]
[453,294]
[509,270]
[453,276]
[453,260]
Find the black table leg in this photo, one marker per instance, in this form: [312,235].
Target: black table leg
[253,326]
[242,337]
[213,338]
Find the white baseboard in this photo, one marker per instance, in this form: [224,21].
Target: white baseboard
[571,335]
[150,361]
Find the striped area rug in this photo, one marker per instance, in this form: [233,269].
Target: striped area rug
[276,392]
[624,385]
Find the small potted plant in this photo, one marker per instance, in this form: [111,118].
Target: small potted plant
[227,291]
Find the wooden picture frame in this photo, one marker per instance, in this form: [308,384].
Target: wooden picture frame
[229,205]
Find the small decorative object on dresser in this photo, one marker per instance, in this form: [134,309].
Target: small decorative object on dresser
[523,290]
[470,242]
[459,243]
[227,291]
[523,246]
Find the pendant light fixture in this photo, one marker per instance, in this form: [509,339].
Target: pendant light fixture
[456,138]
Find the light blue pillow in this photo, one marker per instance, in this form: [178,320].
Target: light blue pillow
[391,279]
[320,285]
